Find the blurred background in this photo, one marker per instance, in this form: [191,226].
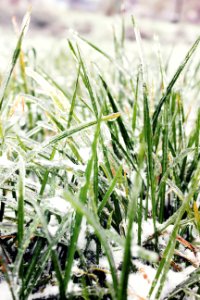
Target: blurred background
[171,26]
[52,16]
[174,22]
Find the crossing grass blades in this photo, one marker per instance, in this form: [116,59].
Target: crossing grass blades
[87,166]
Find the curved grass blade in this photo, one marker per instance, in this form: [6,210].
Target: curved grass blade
[72,131]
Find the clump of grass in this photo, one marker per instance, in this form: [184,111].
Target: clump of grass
[84,169]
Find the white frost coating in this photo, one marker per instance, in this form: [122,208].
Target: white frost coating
[194,258]
[5,162]
[48,291]
[53,225]
[82,241]
[64,164]
[5,291]
[85,153]
[147,229]
[59,204]
[103,262]
[174,279]
[118,256]
[32,183]
[140,282]
[92,246]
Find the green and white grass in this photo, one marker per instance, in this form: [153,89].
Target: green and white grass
[92,157]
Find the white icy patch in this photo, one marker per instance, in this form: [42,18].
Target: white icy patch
[5,162]
[50,290]
[85,153]
[53,225]
[5,291]
[59,204]
[62,164]
[82,240]
[174,279]
[140,282]
[147,230]
[103,262]
[118,256]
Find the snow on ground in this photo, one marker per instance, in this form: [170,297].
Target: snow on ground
[140,282]
[48,291]
[5,291]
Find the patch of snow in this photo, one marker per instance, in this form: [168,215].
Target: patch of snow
[92,246]
[5,162]
[53,225]
[85,153]
[5,291]
[58,204]
[103,262]
[174,279]
[50,290]
[61,164]
[140,282]
[147,230]
[82,240]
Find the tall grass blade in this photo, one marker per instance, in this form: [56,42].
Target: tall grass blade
[15,57]
[172,83]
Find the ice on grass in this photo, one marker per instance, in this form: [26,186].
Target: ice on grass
[5,162]
[5,291]
[58,204]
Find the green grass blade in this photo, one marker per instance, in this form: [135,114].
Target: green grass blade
[164,161]
[123,130]
[78,218]
[163,268]
[20,212]
[110,190]
[150,162]
[99,232]
[96,48]
[172,82]
[73,100]
[72,131]
[88,85]
[14,59]
[122,291]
